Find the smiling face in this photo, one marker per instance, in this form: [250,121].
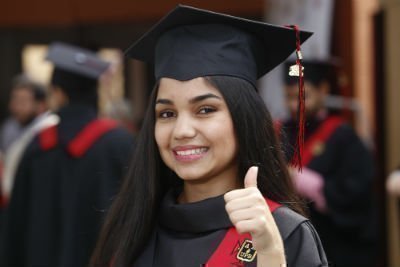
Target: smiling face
[194,132]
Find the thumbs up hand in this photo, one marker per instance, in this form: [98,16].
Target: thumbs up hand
[249,213]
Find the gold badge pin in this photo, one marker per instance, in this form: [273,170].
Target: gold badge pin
[246,252]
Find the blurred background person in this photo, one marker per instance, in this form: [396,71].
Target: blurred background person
[121,111]
[68,174]
[28,107]
[393,183]
[27,101]
[338,170]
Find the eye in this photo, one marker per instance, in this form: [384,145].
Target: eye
[206,110]
[166,114]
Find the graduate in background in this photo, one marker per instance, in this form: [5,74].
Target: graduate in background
[68,174]
[28,95]
[28,115]
[208,185]
[338,171]
[27,102]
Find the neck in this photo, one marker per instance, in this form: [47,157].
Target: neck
[194,191]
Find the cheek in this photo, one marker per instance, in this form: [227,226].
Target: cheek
[222,133]
[162,134]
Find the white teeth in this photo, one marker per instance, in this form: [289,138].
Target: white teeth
[191,151]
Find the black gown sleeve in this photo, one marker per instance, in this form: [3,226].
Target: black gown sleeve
[348,186]
[14,230]
[303,247]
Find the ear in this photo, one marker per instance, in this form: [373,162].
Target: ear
[58,98]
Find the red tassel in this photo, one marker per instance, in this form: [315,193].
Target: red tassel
[296,160]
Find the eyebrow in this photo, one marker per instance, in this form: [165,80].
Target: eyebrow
[191,101]
[164,101]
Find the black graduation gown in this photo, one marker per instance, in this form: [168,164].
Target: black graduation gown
[348,230]
[188,234]
[58,201]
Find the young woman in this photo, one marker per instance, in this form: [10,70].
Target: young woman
[208,185]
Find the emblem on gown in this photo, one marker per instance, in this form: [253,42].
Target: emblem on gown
[247,252]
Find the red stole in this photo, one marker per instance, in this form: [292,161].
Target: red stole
[77,147]
[314,145]
[228,250]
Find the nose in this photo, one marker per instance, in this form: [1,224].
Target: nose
[184,127]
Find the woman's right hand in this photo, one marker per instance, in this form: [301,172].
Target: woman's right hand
[249,213]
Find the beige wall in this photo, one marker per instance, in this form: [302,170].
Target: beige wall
[392,80]
[392,118]
[363,66]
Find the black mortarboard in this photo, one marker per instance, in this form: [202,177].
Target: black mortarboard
[190,42]
[76,71]
[76,60]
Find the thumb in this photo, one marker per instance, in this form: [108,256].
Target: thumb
[250,180]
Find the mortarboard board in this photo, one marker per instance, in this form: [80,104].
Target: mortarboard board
[76,72]
[190,42]
[76,60]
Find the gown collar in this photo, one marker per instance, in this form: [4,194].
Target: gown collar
[197,217]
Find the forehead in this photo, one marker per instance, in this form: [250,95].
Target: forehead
[22,90]
[185,90]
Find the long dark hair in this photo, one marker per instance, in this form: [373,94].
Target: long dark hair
[132,216]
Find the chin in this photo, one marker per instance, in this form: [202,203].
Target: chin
[189,175]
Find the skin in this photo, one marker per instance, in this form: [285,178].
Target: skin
[393,183]
[249,213]
[57,98]
[23,105]
[315,98]
[193,115]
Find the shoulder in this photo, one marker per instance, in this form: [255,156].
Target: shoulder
[118,132]
[118,136]
[103,132]
[303,247]
[345,137]
[345,129]
[118,143]
[342,129]
[288,221]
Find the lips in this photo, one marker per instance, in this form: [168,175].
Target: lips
[189,153]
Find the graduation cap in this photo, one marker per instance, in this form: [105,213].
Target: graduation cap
[76,71]
[76,60]
[75,68]
[190,42]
